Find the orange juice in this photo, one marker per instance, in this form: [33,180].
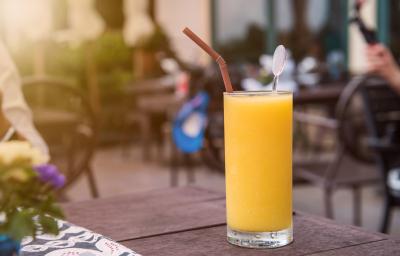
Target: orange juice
[258,161]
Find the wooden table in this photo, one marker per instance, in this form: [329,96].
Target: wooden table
[325,94]
[191,221]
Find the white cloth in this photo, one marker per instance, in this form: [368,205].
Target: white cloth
[85,23]
[14,106]
[73,240]
[138,24]
[26,20]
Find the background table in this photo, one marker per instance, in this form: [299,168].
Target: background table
[191,221]
[327,94]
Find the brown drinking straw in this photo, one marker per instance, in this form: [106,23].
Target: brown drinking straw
[221,62]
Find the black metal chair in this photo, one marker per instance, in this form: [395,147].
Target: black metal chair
[382,106]
[67,123]
[348,129]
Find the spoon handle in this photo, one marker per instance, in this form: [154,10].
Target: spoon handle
[274,83]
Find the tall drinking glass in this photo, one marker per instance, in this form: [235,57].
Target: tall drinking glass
[258,168]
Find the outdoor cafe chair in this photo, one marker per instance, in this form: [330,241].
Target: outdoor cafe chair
[67,123]
[349,166]
[382,107]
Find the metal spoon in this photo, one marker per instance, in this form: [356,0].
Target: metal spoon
[278,63]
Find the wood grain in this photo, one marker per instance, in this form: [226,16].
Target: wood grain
[380,248]
[312,234]
[191,221]
[148,213]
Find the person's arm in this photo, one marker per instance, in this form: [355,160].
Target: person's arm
[382,63]
[13,104]
[4,124]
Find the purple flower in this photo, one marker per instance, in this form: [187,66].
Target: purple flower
[59,181]
[49,173]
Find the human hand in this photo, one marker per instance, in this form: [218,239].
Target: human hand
[382,63]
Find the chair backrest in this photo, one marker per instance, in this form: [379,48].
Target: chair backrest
[350,116]
[65,120]
[382,108]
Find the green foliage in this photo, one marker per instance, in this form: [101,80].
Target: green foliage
[20,223]
[27,204]
[113,61]
[66,61]
[110,52]
[157,41]
[113,81]
[246,49]
[49,224]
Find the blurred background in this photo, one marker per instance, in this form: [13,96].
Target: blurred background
[106,79]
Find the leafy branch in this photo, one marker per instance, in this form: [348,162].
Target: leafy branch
[27,203]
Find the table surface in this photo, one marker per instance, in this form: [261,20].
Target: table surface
[191,221]
[327,94]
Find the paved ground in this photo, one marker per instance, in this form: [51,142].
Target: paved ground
[116,174]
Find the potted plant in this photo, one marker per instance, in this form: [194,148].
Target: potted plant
[27,202]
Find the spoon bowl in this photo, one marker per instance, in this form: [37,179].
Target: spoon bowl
[279,60]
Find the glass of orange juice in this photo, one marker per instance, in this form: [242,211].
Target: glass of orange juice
[258,168]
